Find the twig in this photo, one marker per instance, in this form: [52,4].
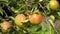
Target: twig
[26,5]
[5,13]
[42,7]
[43,10]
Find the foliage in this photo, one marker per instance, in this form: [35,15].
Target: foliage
[10,8]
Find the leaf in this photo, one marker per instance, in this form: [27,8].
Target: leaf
[0,18]
[45,28]
[4,0]
[1,11]
[58,13]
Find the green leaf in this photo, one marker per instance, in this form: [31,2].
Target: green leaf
[4,0]
[58,13]
[1,11]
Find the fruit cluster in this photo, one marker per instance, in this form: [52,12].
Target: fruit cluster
[33,18]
